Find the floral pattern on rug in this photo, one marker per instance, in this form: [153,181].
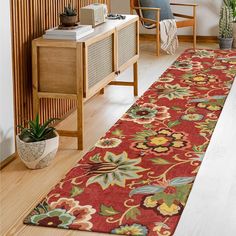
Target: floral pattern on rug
[136,180]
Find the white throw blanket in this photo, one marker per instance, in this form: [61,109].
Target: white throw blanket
[168,34]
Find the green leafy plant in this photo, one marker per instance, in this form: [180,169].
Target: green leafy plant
[36,131]
[232,5]
[226,22]
[69,11]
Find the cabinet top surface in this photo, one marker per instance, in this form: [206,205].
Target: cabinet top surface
[106,27]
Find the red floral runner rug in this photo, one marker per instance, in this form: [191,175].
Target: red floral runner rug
[136,180]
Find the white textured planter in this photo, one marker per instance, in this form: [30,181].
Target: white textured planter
[37,155]
[234,34]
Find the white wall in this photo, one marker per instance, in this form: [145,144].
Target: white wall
[207,15]
[7,145]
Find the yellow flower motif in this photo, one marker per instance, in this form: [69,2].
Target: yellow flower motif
[201,105]
[159,141]
[177,136]
[199,78]
[161,149]
[165,131]
[149,202]
[142,146]
[214,108]
[168,210]
[178,144]
[232,62]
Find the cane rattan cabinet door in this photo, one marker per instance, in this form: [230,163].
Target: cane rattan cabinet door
[127,43]
[99,69]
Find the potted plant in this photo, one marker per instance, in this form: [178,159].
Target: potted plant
[68,18]
[226,28]
[232,5]
[38,144]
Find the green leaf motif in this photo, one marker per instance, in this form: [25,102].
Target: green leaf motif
[75,191]
[132,213]
[160,161]
[202,88]
[183,192]
[96,158]
[200,148]
[176,108]
[141,136]
[146,189]
[173,123]
[118,133]
[147,126]
[107,211]
[181,181]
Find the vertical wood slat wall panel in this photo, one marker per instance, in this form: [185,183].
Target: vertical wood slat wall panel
[30,18]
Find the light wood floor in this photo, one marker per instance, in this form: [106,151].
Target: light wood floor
[22,189]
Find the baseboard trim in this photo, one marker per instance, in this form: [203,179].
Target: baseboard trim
[7,161]
[183,38]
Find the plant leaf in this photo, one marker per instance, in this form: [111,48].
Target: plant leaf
[75,191]
[107,210]
[147,189]
[160,161]
[173,123]
[132,213]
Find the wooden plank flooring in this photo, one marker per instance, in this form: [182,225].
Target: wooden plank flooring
[21,189]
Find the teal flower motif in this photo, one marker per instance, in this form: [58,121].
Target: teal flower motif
[114,170]
[54,218]
[140,112]
[146,113]
[134,230]
[187,65]
[108,143]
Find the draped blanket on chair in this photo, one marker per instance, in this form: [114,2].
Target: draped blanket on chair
[137,178]
[168,35]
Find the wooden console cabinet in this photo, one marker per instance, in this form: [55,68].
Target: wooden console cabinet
[80,69]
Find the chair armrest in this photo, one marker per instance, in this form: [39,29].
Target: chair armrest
[147,8]
[157,11]
[184,4]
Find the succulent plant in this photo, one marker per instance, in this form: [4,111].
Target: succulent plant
[232,5]
[37,132]
[226,22]
[69,11]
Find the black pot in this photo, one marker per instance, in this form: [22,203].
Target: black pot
[225,43]
[68,20]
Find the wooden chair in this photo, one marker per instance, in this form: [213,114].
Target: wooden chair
[185,22]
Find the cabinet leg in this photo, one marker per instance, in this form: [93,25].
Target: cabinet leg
[102,91]
[80,124]
[135,68]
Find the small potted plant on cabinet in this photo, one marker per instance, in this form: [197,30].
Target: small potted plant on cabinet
[68,18]
[38,144]
[226,28]
[232,5]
